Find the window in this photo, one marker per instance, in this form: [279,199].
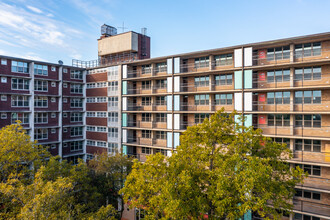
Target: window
[19,84]
[76,74]
[53,131]
[113,86]
[41,134]
[97,85]
[146,117]
[113,132]
[3,97]
[307,145]
[76,103]
[53,99]
[146,101]
[41,102]
[201,62]
[97,100]
[161,67]
[53,84]
[112,72]
[160,100]
[146,134]
[91,114]
[19,67]
[53,68]
[40,85]
[199,118]
[225,79]
[101,114]
[76,131]
[278,120]
[223,99]
[308,121]
[41,118]
[40,69]
[224,59]
[278,76]
[3,79]
[307,50]
[65,70]
[202,99]
[307,194]
[75,159]
[19,101]
[308,73]
[91,128]
[76,88]
[76,146]
[65,115]
[161,84]
[75,117]
[23,117]
[65,85]
[146,85]
[298,216]
[113,117]
[146,150]
[146,69]
[283,141]
[113,101]
[113,148]
[278,53]
[161,117]
[65,100]
[53,115]
[3,62]
[308,97]
[3,115]
[162,151]
[65,130]
[202,81]
[278,98]
[161,135]
[310,169]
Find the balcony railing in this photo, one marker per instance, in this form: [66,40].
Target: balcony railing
[147,124]
[311,207]
[147,142]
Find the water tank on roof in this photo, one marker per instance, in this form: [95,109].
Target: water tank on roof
[108,30]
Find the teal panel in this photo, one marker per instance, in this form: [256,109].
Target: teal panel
[124,88]
[124,119]
[176,103]
[169,103]
[124,149]
[169,139]
[248,215]
[238,80]
[248,79]
[237,119]
[176,139]
[248,120]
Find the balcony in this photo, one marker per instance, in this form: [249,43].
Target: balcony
[311,207]
[290,106]
[147,142]
[147,72]
[151,124]
[132,107]
[312,157]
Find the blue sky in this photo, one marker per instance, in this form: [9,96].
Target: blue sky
[51,30]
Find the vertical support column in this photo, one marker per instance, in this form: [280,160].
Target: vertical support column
[292,124]
[31,101]
[292,53]
[292,84]
[122,69]
[60,109]
[211,63]
[84,116]
[153,66]
[291,101]
[211,101]
[212,83]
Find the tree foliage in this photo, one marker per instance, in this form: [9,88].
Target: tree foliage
[221,169]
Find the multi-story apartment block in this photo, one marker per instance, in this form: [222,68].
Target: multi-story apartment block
[49,100]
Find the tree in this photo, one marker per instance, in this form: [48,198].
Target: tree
[110,172]
[221,168]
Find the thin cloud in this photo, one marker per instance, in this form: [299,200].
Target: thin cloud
[34,9]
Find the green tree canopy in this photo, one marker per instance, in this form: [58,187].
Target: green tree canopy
[221,169]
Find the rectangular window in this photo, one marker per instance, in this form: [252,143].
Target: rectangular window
[113,132]
[19,101]
[146,117]
[146,101]
[202,99]
[41,118]
[160,100]
[76,103]
[23,117]
[161,67]
[308,121]
[278,98]
[278,120]
[161,135]
[308,49]
[307,194]
[76,145]
[3,97]
[113,101]
[3,115]
[278,53]
[76,88]
[40,69]
[113,117]
[223,99]
[113,148]
[201,62]
[308,97]
[308,73]
[199,118]
[76,117]
[113,86]
[308,145]
[19,84]
[224,59]
[146,68]
[40,134]
[76,131]
[202,81]
[40,85]
[41,102]
[19,67]
[146,134]
[146,150]
[161,117]
[161,151]
[3,62]
[161,84]
[76,74]
[278,76]
[146,85]
[224,79]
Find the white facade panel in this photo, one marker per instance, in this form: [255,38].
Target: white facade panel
[124,71]
[169,84]
[169,121]
[169,139]
[169,103]
[124,135]
[177,65]
[124,103]
[248,56]
[238,57]
[169,66]
[177,121]
[177,84]
[248,101]
[238,101]
[177,103]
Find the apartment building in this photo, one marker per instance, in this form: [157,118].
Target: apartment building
[49,100]
[281,86]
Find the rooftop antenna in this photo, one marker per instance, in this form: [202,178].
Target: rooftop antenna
[123,27]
